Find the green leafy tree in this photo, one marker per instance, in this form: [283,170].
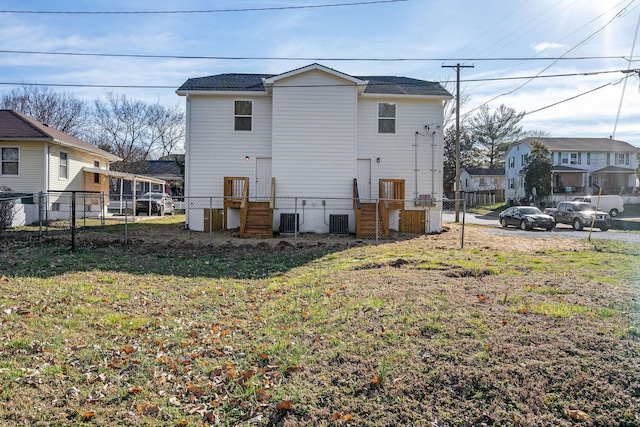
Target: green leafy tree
[537,170]
[494,131]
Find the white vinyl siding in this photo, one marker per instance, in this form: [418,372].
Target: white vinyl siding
[76,160]
[396,151]
[30,178]
[314,136]
[215,150]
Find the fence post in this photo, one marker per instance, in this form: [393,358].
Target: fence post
[464,212]
[126,227]
[103,210]
[377,219]
[210,221]
[295,222]
[40,215]
[73,221]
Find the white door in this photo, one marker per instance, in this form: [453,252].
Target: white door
[364,178]
[263,177]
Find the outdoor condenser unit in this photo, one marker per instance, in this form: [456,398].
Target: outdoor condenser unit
[339,224]
[289,222]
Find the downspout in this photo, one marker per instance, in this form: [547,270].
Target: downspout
[433,155]
[47,155]
[415,168]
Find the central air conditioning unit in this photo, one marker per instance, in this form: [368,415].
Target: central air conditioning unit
[289,222]
[339,224]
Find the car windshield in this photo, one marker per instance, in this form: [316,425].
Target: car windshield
[530,211]
[584,207]
[155,196]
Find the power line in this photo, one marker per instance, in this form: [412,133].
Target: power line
[168,12]
[116,86]
[284,58]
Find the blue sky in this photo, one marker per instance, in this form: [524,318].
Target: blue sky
[482,33]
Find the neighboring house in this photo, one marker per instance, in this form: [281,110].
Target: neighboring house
[37,158]
[167,170]
[311,133]
[482,180]
[577,164]
[482,186]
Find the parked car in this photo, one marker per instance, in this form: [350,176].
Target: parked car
[607,203]
[155,204]
[580,215]
[526,217]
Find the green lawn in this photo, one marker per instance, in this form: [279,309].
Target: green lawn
[406,333]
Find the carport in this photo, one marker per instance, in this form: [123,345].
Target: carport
[123,176]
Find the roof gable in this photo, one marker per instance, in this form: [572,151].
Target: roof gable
[18,127]
[314,67]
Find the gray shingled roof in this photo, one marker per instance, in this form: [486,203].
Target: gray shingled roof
[253,83]
[18,127]
[583,144]
[485,171]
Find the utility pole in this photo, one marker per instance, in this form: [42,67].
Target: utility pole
[456,184]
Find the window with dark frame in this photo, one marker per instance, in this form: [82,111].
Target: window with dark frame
[386,117]
[243,114]
[96,176]
[10,161]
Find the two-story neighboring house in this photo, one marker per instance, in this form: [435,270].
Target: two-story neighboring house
[577,164]
[309,134]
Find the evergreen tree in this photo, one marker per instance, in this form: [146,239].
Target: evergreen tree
[537,170]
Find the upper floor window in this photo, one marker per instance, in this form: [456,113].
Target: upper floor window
[96,176]
[512,162]
[10,160]
[64,166]
[483,182]
[386,117]
[569,158]
[243,113]
[597,159]
[622,158]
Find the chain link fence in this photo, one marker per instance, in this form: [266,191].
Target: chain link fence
[86,218]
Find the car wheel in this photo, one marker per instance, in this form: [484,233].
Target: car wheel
[577,225]
[523,225]
[613,213]
[549,228]
[503,222]
[604,228]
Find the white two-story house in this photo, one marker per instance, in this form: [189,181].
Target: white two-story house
[577,163]
[301,141]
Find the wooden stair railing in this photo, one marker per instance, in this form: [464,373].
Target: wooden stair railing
[236,191]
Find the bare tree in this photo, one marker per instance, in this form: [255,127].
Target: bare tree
[167,129]
[60,110]
[494,131]
[136,131]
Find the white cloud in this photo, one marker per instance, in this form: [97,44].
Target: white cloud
[541,47]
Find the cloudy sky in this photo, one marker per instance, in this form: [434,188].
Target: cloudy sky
[561,61]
